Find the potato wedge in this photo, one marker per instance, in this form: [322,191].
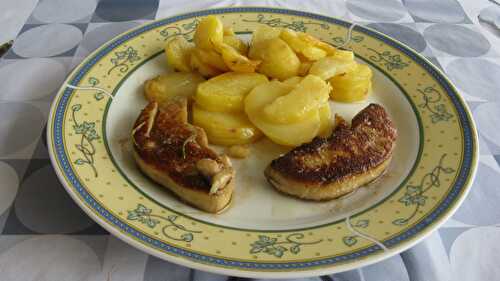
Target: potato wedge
[236,43]
[167,86]
[225,128]
[204,69]
[178,52]
[352,86]
[208,32]
[278,59]
[292,134]
[307,96]
[211,58]
[225,93]
[261,34]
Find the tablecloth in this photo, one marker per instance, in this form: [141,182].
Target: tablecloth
[45,236]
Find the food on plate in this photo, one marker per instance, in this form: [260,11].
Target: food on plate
[306,96]
[302,45]
[178,53]
[350,157]
[352,86]
[325,120]
[236,43]
[197,64]
[167,86]
[225,93]
[238,151]
[259,35]
[328,67]
[234,60]
[211,58]
[225,128]
[228,31]
[294,80]
[278,60]
[209,31]
[175,154]
[289,134]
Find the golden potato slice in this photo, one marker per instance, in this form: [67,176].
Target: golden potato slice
[325,119]
[204,69]
[261,34]
[211,58]
[278,59]
[305,47]
[352,86]
[307,96]
[225,93]
[178,52]
[329,49]
[237,44]
[343,54]
[292,134]
[304,67]
[236,61]
[228,31]
[167,86]
[328,67]
[208,32]
[293,81]
[225,128]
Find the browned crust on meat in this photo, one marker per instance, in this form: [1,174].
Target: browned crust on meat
[162,147]
[346,157]
[213,203]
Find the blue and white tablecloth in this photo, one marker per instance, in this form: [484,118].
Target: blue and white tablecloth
[44,236]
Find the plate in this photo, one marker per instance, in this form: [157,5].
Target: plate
[264,234]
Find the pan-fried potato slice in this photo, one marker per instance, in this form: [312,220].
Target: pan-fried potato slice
[352,86]
[328,67]
[304,67]
[293,134]
[211,58]
[204,69]
[234,60]
[225,128]
[305,47]
[329,49]
[208,32]
[225,93]
[167,86]
[178,52]
[236,43]
[307,96]
[293,81]
[261,34]
[278,59]
[325,119]
[228,31]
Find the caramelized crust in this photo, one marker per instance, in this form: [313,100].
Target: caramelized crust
[352,155]
[163,146]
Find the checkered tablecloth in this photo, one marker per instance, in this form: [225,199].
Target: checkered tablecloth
[44,236]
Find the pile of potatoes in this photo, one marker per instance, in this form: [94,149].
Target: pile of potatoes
[279,86]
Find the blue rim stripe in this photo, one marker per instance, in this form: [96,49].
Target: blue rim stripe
[458,187]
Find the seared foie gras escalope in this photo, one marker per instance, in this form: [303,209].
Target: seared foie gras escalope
[176,155]
[350,157]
